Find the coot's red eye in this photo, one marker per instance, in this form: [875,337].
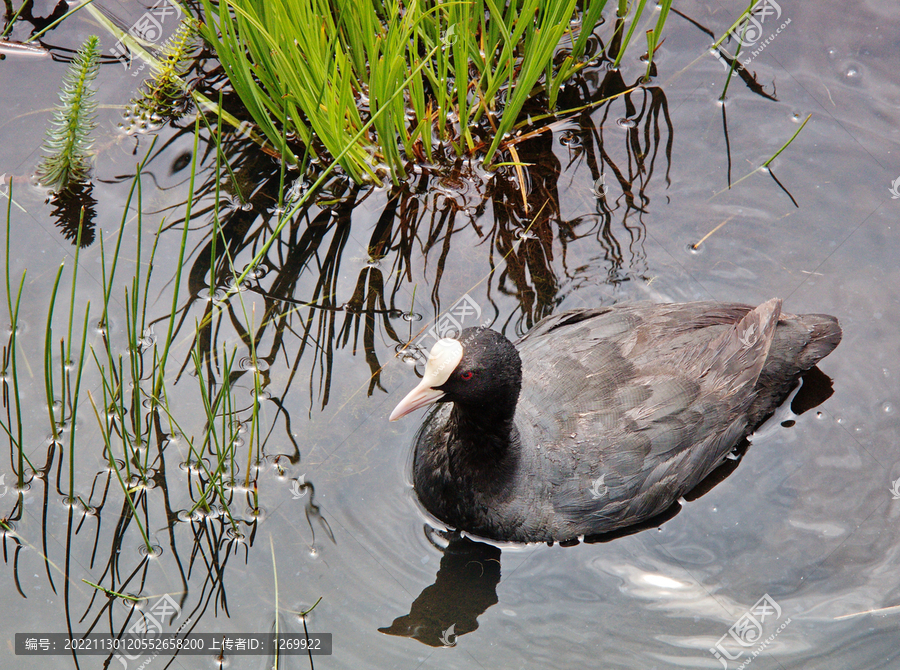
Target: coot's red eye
[466,376]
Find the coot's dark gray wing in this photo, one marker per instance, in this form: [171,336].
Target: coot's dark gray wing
[623,410]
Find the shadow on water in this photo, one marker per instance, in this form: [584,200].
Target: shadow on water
[464,588]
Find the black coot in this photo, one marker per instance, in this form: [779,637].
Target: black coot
[599,419]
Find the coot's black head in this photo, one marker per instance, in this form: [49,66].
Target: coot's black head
[480,370]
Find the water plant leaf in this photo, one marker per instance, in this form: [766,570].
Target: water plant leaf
[69,135]
[163,96]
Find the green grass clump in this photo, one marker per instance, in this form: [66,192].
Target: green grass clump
[68,138]
[436,80]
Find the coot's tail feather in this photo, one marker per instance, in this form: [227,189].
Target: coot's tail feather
[740,353]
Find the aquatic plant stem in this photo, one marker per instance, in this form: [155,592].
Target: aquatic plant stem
[68,140]
[788,143]
[180,266]
[74,401]
[653,36]
[123,596]
[734,25]
[275,582]
[112,464]
[13,347]
[48,358]
[765,165]
[634,21]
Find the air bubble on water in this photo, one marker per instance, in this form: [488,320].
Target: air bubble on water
[262,395]
[214,512]
[141,482]
[255,272]
[247,363]
[117,464]
[152,551]
[133,601]
[191,466]
[212,296]
[233,285]
[409,358]
[570,138]
[256,513]
[235,486]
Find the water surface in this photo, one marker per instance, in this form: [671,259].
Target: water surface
[808,519]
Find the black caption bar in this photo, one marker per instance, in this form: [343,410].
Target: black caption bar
[137,645]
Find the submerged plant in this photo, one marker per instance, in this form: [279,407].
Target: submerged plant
[164,95]
[68,138]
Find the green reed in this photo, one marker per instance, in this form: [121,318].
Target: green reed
[218,408]
[653,36]
[180,263]
[10,372]
[454,75]
[114,466]
[48,360]
[765,166]
[743,15]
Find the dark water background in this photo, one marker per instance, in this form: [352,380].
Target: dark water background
[808,518]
